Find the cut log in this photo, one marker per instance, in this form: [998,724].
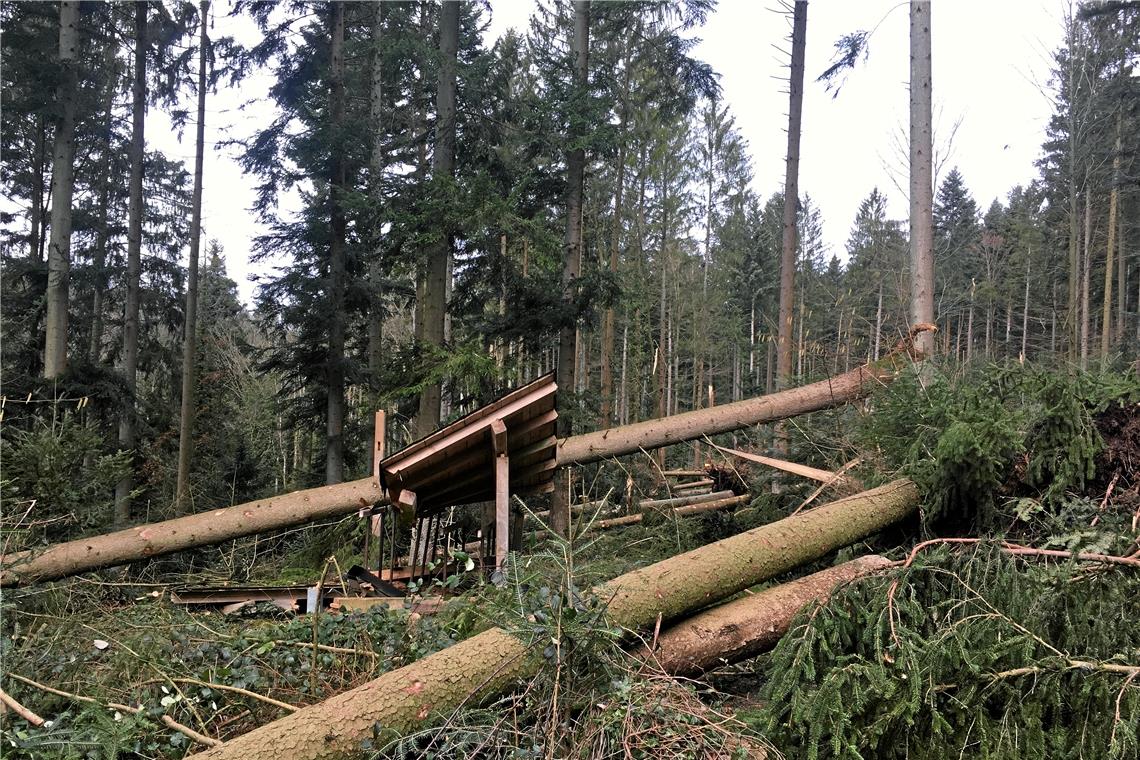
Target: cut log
[215,526]
[680,501]
[688,426]
[748,626]
[694,484]
[412,697]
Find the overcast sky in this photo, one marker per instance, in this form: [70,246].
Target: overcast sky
[991,63]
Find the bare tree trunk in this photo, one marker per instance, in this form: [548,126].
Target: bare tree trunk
[338,230]
[1113,200]
[127,431]
[921,174]
[608,319]
[439,253]
[411,698]
[103,234]
[575,178]
[376,192]
[1072,313]
[36,214]
[1025,310]
[878,323]
[1086,266]
[63,183]
[189,343]
[970,324]
[1122,279]
[791,201]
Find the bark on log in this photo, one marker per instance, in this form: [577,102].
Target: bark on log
[681,501]
[407,699]
[748,626]
[300,507]
[687,426]
[215,526]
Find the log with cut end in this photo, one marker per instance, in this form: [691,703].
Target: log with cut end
[748,626]
[204,529]
[412,697]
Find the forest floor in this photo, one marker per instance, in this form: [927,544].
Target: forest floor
[961,649]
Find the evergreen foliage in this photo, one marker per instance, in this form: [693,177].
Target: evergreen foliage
[973,655]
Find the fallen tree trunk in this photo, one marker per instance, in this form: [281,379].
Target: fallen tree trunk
[748,626]
[684,511]
[681,501]
[408,699]
[688,426]
[301,507]
[204,529]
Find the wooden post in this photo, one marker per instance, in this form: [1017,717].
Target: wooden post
[502,494]
[376,524]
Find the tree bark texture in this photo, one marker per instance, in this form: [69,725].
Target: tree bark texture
[130,365]
[1110,248]
[572,252]
[203,529]
[63,183]
[99,264]
[750,625]
[443,169]
[687,426]
[791,197]
[412,697]
[338,231]
[190,340]
[921,174]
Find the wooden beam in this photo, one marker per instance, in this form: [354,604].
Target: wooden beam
[499,437]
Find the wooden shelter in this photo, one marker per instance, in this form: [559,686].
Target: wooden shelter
[505,447]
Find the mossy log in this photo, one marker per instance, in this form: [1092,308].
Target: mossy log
[750,625]
[412,697]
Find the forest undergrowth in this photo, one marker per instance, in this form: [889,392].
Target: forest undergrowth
[962,648]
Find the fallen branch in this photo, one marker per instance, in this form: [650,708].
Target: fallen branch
[1008,548]
[233,689]
[19,709]
[167,721]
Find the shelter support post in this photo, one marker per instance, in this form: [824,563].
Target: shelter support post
[502,493]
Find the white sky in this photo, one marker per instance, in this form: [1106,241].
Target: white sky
[991,62]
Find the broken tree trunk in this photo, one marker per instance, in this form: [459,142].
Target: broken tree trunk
[745,627]
[687,426]
[408,699]
[215,526]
